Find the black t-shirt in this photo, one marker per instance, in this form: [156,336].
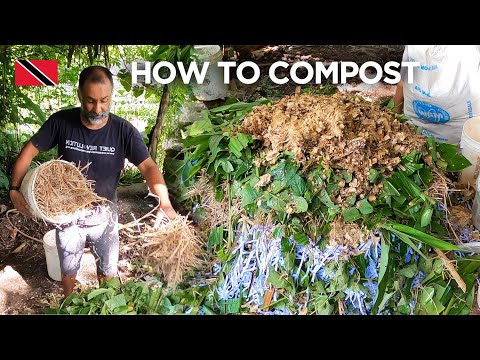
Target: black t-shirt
[105,148]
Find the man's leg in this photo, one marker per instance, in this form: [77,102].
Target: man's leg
[103,241]
[70,242]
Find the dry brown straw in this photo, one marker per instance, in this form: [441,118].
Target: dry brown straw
[173,249]
[60,189]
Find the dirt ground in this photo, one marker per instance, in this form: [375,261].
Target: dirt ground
[265,55]
[26,288]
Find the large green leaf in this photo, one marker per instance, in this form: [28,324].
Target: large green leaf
[383,276]
[423,237]
[365,207]
[199,127]
[322,306]
[351,214]
[280,281]
[455,161]
[116,301]
[98,292]
[30,105]
[301,204]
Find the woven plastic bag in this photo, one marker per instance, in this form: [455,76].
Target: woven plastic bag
[445,88]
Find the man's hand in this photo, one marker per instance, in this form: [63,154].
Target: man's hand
[19,203]
[167,209]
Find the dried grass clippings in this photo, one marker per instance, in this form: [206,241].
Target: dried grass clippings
[60,189]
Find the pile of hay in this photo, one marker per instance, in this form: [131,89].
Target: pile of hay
[172,250]
[340,131]
[61,190]
[213,213]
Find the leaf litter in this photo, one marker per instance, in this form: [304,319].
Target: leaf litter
[341,131]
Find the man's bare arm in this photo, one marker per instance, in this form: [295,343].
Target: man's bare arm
[157,185]
[398,98]
[20,168]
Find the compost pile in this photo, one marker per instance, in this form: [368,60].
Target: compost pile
[316,205]
[340,132]
[328,189]
[61,189]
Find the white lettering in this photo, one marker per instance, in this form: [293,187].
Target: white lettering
[410,65]
[193,68]
[256,72]
[306,65]
[146,72]
[388,71]
[271,72]
[226,69]
[346,74]
[332,69]
[377,76]
[157,76]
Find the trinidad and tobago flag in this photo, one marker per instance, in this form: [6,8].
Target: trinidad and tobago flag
[36,72]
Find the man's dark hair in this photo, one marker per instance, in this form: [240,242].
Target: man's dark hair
[95,74]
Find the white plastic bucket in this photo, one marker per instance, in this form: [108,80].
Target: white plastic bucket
[213,86]
[27,189]
[51,254]
[470,146]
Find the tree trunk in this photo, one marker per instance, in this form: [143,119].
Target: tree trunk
[157,129]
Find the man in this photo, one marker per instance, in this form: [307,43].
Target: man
[444,91]
[91,134]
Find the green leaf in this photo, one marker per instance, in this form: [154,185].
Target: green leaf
[350,200]
[238,106]
[116,301]
[423,237]
[274,202]
[389,189]
[301,238]
[373,175]
[430,303]
[225,164]
[280,281]
[426,216]
[426,176]
[365,207]
[235,147]
[213,143]
[208,311]
[383,278]
[301,204]
[195,140]
[406,240]
[347,176]
[248,195]
[340,281]
[199,151]
[409,271]
[449,153]
[297,184]
[195,169]
[385,300]
[432,147]
[100,291]
[468,265]
[244,139]
[322,306]
[30,105]
[199,127]
[351,214]
[215,237]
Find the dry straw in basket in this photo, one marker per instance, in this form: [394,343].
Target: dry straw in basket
[61,189]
